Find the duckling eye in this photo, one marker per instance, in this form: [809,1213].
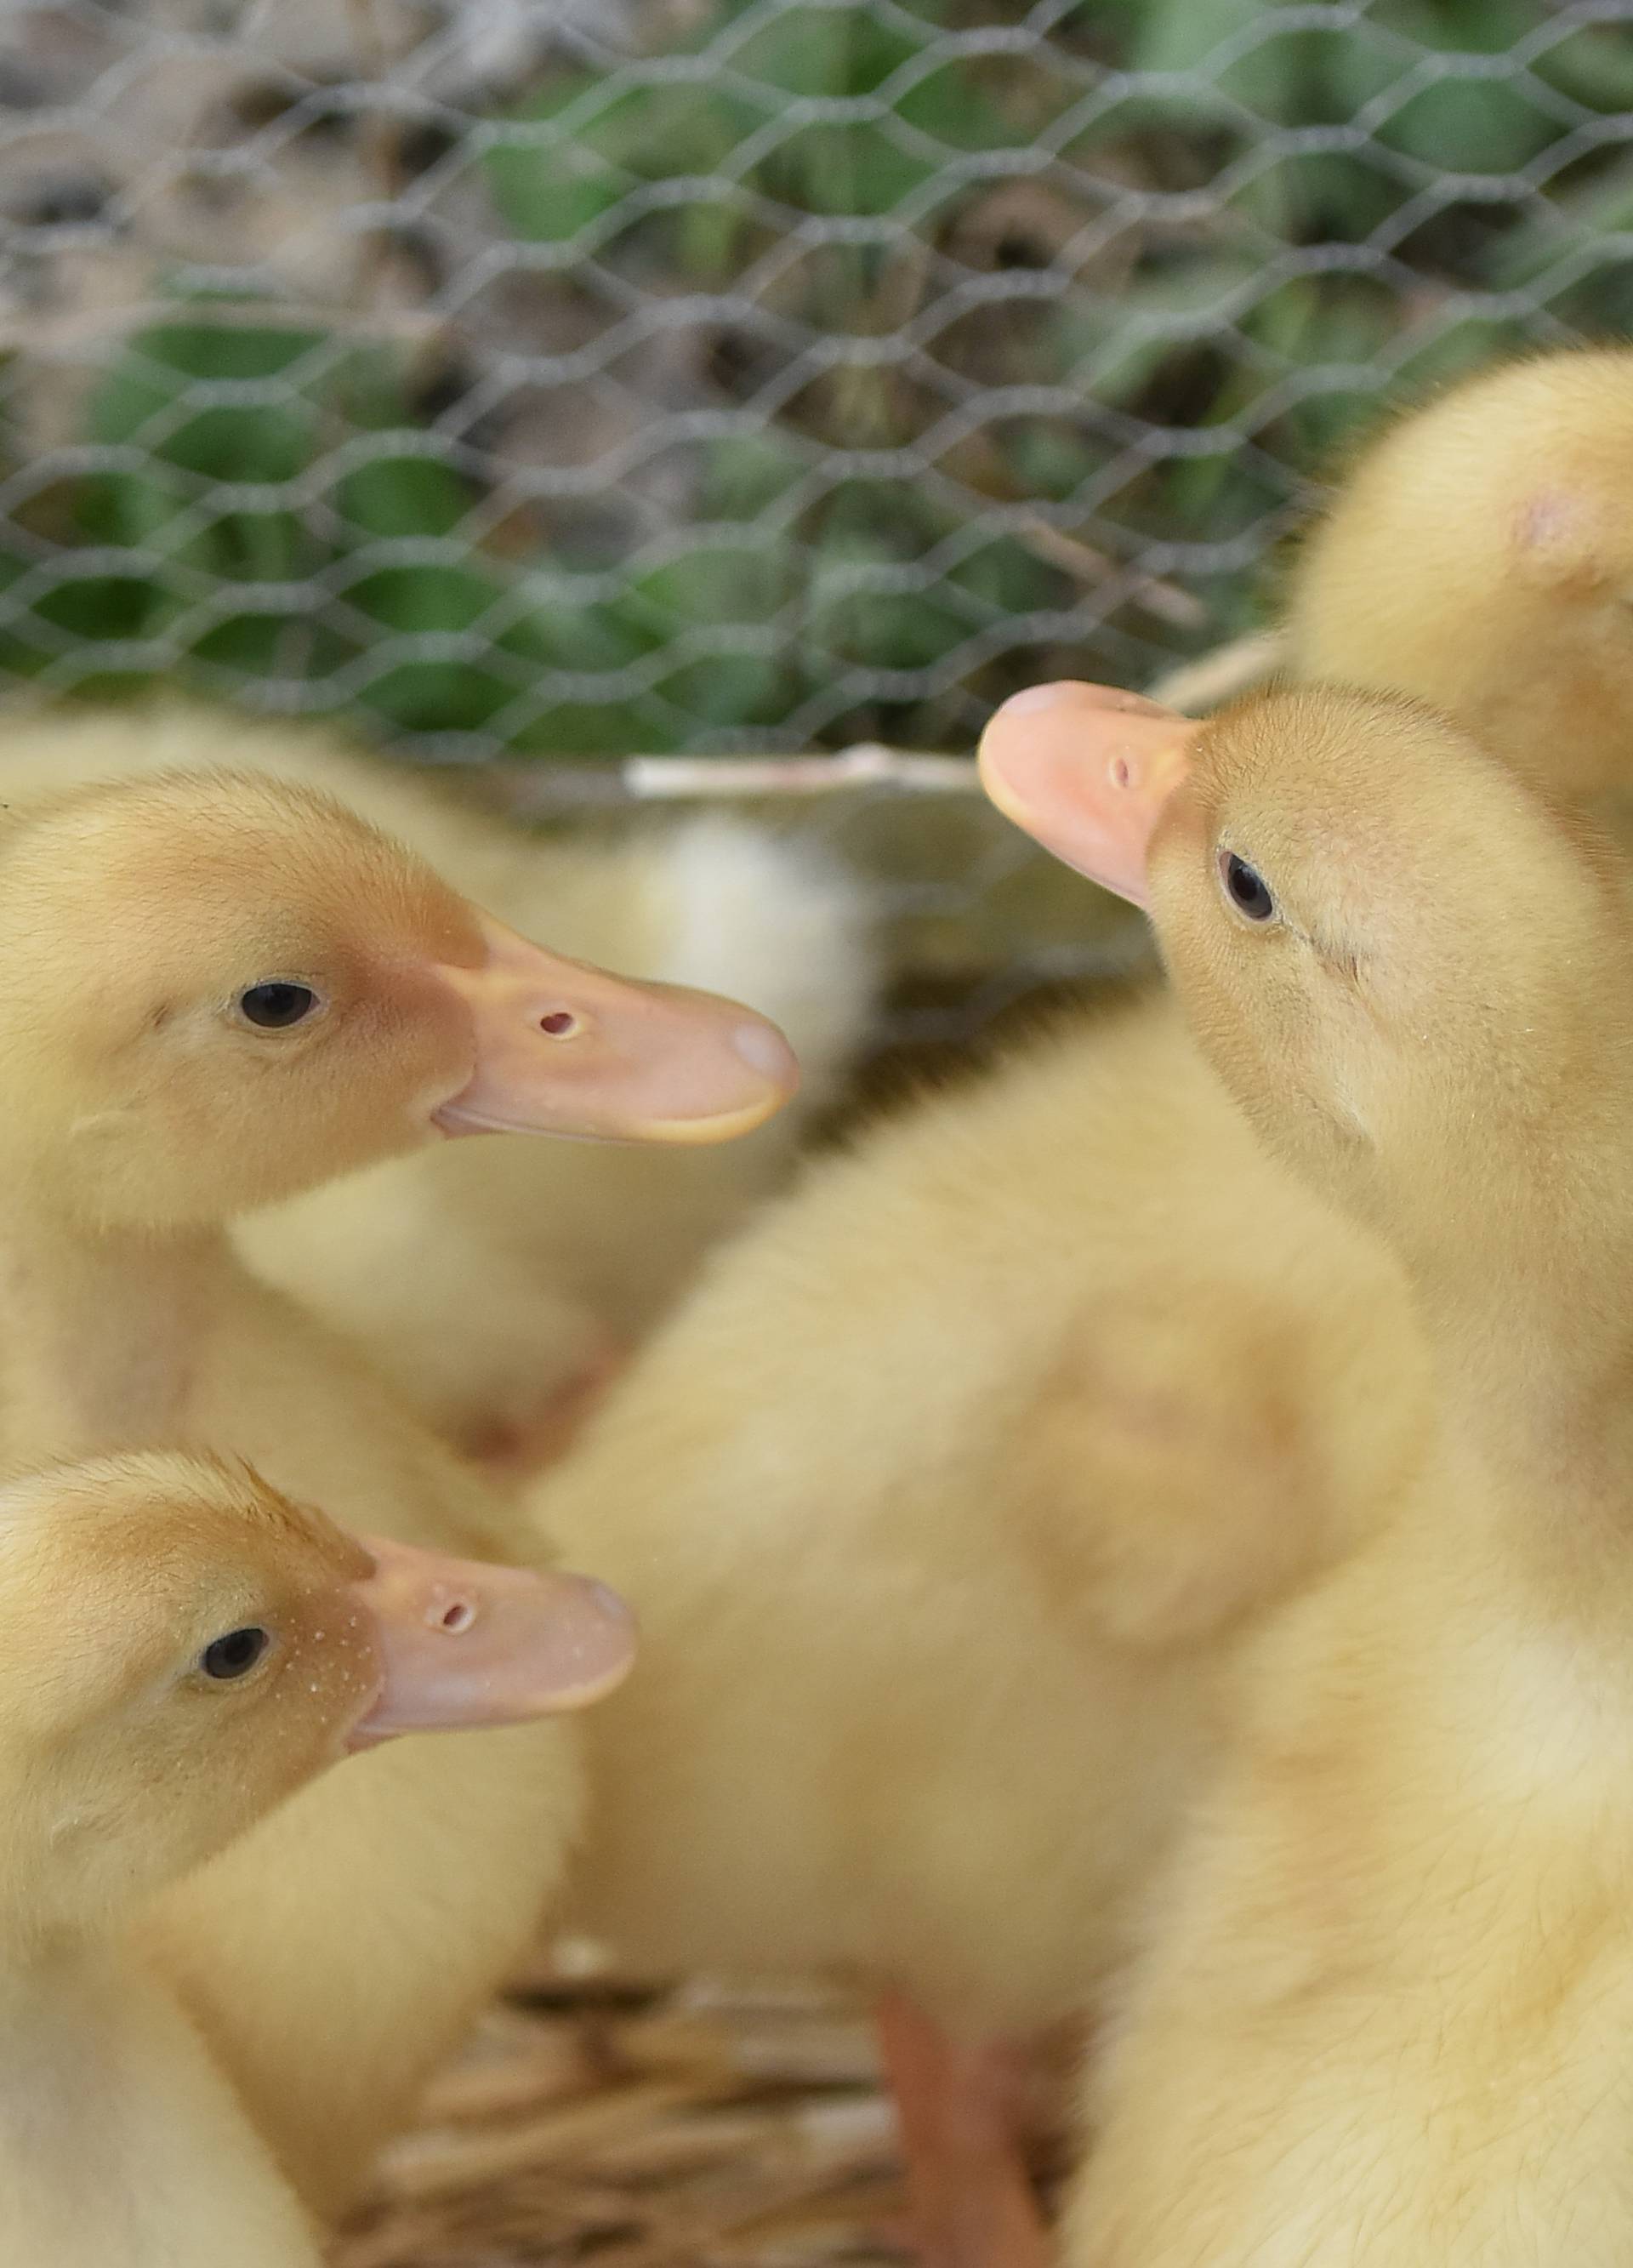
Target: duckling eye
[235,1655]
[276,1005]
[1245,889]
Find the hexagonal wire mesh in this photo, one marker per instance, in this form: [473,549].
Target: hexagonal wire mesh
[568,377]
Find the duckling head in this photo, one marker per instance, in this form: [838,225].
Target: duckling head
[223,989]
[1412,972]
[182,1647]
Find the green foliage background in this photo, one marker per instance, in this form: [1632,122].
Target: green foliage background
[1004,310]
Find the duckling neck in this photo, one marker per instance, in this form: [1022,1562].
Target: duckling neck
[1536,1367]
[103,1329]
[40,1960]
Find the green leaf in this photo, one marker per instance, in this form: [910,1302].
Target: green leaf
[249,645]
[437,696]
[708,234]
[1454,124]
[1266,75]
[426,598]
[1186,38]
[1580,214]
[955,107]
[856,620]
[95,606]
[550,196]
[549,188]
[831,51]
[856,171]
[238,349]
[1454,350]
[1048,459]
[731,689]
[745,474]
[1006,578]
[1312,196]
[129,509]
[588,635]
[409,494]
[1593,65]
[1114,348]
[716,583]
[586,728]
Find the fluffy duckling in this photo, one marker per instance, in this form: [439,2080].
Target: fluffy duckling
[1480,555]
[220,990]
[1385,2013]
[494,1286]
[1067,1360]
[940,1530]
[180,1649]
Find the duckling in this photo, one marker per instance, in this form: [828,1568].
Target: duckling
[943,1502]
[1063,1348]
[222,988]
[1480,556]
[181,1648]
[495,1287]
[1383,2016]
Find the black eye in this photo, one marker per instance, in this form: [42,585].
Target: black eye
[273,1007]
[1245,889]
[234,1655]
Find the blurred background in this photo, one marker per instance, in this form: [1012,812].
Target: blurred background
[575,377]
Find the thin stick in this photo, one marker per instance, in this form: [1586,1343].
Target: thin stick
[1087,564]
[1194,687]
[869,764]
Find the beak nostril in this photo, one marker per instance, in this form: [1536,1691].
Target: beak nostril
[459,1616]
[559,1024]
[1120,772]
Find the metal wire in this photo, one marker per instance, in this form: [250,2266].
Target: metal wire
[564,378]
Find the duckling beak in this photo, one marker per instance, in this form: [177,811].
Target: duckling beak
[563,1047]
[463,1644]
[1087,770]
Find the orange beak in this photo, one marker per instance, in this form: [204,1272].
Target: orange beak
[462,1644]
[1087,770]
[561,1048]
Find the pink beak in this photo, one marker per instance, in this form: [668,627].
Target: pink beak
[561,1048]
[463,1644]
[1087,770]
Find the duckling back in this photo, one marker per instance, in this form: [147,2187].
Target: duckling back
[944,1497]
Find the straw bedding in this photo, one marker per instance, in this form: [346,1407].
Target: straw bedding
[629,2126]
[691,2126]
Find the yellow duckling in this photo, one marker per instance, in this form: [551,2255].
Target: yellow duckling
[1384,2014]
[1480,555]
[1066,1359]
[943,1503]
[221,990]
[180,1649]
[494,1287]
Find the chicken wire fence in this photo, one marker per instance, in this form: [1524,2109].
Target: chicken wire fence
[563,379]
